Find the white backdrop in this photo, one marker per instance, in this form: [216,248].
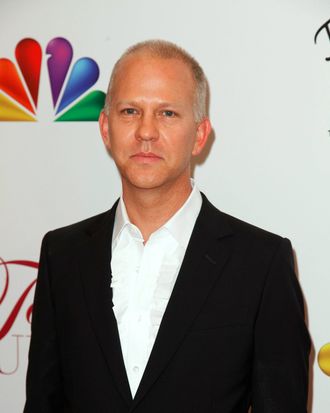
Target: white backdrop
[268,162]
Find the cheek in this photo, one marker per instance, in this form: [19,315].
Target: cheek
[183,142]
[120,138]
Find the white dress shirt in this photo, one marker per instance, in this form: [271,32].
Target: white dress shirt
[143,277]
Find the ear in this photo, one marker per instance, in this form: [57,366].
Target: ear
[202,133]
[104,129]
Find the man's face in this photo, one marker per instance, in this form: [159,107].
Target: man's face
[151,131]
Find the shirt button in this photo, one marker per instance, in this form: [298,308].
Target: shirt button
[136,369]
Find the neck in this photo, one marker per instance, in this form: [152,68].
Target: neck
[149,209]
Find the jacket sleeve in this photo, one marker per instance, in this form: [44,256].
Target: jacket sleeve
[282,343]
[44,392]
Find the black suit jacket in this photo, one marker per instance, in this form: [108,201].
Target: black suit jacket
[233,333]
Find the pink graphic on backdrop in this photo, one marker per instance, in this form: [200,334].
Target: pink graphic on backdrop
[28,55]
[14,311]
[61,52]
[5,328]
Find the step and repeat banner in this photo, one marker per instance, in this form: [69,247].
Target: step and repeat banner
[267,162]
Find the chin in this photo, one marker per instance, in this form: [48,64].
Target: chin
[146,184]
[145,181]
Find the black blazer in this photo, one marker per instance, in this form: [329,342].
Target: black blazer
[233,333]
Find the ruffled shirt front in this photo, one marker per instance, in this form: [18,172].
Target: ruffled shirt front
[143,277]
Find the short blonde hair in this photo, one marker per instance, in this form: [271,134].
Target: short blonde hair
[167,50]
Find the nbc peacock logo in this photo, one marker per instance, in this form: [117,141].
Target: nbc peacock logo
[69,83]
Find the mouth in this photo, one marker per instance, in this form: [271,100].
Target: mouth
[146,157]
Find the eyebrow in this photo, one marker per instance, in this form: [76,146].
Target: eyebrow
[160,105]
[126,102]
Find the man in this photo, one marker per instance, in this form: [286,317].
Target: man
[164,303]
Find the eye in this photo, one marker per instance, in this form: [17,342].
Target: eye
[129,111]
[168,113]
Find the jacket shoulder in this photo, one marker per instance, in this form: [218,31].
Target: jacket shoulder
[249,230]
[245,231]
[71,235]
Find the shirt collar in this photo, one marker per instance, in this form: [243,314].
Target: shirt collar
[121,221]
[180,225]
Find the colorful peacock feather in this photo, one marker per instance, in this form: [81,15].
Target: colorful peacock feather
[19,83]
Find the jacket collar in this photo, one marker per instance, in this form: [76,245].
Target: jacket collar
[205,258]
[206,255]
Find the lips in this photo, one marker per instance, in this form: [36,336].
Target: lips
[146,157]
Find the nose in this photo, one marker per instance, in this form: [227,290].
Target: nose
[147,129]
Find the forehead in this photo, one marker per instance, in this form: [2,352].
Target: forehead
[142,73]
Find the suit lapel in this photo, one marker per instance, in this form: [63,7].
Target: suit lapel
[206,256]
[95,271]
